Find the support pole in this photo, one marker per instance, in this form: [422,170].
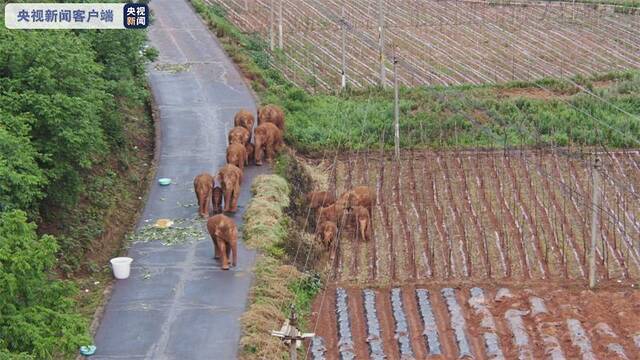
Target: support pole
[343,25]
[396,112]
[280,25]
[272,35]
[594,221]
[381,41]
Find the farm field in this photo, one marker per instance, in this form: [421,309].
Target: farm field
[488,216]
[481,254]
[437,322]
[442,42]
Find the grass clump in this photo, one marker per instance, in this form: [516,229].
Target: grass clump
[277,285]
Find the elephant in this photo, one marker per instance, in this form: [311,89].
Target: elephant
[359,196]
[273,114]
[203,185]
[268,138]
[249,150]
[237,155]
[331,213]
[230,179]
[363,222]
[326,233]
[318,199]
[245,119]
[224,234]
[239,135]
[216,199]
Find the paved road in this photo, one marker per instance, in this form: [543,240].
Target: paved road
[178,304]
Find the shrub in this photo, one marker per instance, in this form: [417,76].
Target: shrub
[36,312]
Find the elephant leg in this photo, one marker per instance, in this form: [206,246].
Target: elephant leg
[201,203]
[227,200]
[223,253]
[234,251]
[270,153]
[216,251]
[234,201]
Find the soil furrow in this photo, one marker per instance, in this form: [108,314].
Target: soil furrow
[423,250]
[512,228]
[409,244]
[465,259]
[537,246]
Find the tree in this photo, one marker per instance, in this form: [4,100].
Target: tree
[36,311]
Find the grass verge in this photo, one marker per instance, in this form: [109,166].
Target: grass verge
[276,285]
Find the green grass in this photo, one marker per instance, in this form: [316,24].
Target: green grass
[440,117]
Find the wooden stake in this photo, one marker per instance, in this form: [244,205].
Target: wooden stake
[343,83]
[272,35]
[381,41]
[594,222]
[396,111]
[280,40]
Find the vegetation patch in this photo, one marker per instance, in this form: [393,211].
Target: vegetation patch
[76,145]
[172,68]
[180,231]
[276,285]
[534,114]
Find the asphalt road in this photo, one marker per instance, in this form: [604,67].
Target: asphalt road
[178,303]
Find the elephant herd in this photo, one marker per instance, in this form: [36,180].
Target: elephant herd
[353,205]
[225,185]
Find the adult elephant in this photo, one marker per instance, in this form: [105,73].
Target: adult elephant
[224,234]
[359,196]
[230,179]
[273,114]
[239,135]
[268,139]
[245,119]
[203,185]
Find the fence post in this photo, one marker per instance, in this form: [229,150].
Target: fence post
[280,25]
[381,41]
[594,221]
[272,35]
[396,111]
[343,26]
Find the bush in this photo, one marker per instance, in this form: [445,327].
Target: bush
[36,312]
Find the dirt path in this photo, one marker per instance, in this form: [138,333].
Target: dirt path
[178,304]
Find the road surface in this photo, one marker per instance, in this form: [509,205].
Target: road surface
[178,304]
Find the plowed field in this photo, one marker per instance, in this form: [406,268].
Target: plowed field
[482,255]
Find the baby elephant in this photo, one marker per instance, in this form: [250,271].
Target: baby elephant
[249,151]
[363,222]
[216,198]
[318,199]
[216,195]
[326,233]
[224,234]
[237,155]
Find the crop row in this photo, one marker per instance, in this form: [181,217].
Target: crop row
[479,215]
[443,42]
[413,322]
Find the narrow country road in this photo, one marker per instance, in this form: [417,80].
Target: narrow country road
[177,303]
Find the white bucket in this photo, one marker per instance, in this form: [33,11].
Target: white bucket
[121,267]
